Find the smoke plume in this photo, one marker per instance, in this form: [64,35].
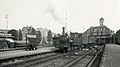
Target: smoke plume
[58,9]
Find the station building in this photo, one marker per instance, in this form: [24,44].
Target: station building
[98,34]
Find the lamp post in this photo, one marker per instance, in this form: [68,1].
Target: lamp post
[114,38]
[26,39]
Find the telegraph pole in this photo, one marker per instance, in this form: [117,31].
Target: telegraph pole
[66,22]
[6,17]
[66,26]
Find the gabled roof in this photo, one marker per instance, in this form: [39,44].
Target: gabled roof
[97,29]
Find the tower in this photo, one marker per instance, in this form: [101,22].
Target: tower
[101,21]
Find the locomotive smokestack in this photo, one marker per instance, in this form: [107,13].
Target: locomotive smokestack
[63,28]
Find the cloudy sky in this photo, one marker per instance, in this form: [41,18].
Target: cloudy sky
[52,14]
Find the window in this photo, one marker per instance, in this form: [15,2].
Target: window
[94,33]
[99,33]
[104,33]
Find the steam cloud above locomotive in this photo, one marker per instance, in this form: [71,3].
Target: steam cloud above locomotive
[58,10]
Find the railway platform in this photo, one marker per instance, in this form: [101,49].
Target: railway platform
[111,56]
[19,48]
[17,53]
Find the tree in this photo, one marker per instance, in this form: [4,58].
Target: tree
[117,36]
[20,35]
[43,41]
[118,33]
[79,35]
[38,36]
[14,33]
[58,34]
[31,31]
[49,37]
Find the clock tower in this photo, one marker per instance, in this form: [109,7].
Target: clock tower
[101,21]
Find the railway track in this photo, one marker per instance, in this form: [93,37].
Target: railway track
[18,60]
[82,58]
[33,60]
[90,59]
[58,61]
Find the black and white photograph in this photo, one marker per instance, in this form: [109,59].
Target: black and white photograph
[59,33]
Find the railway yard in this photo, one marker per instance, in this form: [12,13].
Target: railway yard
[59,33]
[75,50]
[51,57]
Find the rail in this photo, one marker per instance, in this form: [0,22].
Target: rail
[71,63]
[93,62]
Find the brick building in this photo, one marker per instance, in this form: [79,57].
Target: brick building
[98,34]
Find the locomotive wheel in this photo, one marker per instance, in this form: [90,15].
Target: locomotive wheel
[61,50]
[29,48]
[26,49]
[64,50]
[32,48]
[35,48]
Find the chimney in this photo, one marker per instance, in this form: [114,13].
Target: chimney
[63,30]
[101,21]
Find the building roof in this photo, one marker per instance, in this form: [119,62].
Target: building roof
[98,29]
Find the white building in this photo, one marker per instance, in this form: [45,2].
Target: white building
[44,33]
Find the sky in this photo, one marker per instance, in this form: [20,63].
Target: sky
[79,15]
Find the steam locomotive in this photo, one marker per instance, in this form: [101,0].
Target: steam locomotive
[61,41]
[65,42]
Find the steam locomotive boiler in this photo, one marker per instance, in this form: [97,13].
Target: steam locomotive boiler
[61,41]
